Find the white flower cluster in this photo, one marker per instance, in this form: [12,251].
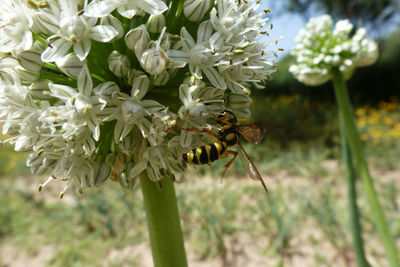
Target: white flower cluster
[90,88]
[319,48]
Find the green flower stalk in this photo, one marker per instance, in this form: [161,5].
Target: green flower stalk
[323,54]
[90,88]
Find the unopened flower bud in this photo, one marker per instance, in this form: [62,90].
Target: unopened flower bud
[156,23]
[101,173]
[30,59]
[194,10]
[154,60]
[137,39]
[118,64]
[162,79]
[27,75]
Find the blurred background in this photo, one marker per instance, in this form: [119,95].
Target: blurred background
[230,222]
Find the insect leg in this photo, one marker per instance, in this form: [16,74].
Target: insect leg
[195,130]
[234,153]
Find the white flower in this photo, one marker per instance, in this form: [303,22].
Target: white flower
[88,105]
[154,59]
[126,8]
[83,108]
[319,48]
[73,30]
[227,19]
[234,20]
[367,49]
[199,55]
[157,161]
[132,110]
[15,26]
[137,40]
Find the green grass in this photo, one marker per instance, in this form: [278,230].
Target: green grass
[303,220]
[305,211]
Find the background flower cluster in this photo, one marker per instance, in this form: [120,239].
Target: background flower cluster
[90,88]
[320,47]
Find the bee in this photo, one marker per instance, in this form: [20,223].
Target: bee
[227,136]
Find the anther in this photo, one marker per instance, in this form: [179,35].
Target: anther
[52,177]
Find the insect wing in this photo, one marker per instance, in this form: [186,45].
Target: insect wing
[253,133]
[250,167]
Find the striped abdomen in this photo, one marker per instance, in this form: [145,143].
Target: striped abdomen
[228,134]
[205,154]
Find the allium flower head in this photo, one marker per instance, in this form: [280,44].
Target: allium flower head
[90,88]
[320,47]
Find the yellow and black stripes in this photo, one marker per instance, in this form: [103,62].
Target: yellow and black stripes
[205,154]
[227,136]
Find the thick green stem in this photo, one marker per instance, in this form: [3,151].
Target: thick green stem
[162,215]
[356,228]
[361,166]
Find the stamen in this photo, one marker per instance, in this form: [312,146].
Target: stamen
[238,52]
[63,191]
[41,186]
[136,93]
[5,25]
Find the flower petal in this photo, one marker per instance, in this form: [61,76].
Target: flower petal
[94,127]
[177,58]
[140,86]
[185,94]
[153,7]
[205,31]
[214,77]
[151,106]
[56,50]
[70,65]
[127,13]
[115,23]
[62,92]
[127,129]
[85,83]
[100,9]
[82,49]
[186,138]
[138,169]
[187,40]
[103,33]
[119,127]
[101,173]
